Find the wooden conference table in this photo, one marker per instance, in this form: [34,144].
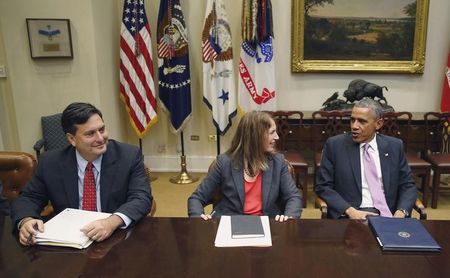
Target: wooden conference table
[182,247]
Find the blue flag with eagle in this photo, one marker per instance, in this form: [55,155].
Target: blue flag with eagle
[173,64]
[219,92]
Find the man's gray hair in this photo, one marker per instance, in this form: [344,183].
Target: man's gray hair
[372,104]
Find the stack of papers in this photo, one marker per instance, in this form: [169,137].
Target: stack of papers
[224,236]
[64,228]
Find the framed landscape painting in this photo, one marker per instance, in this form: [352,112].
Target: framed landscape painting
[359,35]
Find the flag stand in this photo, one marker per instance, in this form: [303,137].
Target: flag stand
[183,177]
[218,140]
[151,177]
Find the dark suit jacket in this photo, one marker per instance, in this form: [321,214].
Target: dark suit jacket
[280,196]
[124,186]
[338,181]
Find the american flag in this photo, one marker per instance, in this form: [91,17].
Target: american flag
[137,88]
[210,49]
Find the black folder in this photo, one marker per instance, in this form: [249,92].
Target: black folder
[402,234]
[246,226]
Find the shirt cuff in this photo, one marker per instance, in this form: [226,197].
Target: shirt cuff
[126,220]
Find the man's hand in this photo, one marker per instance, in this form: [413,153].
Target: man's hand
[101,229]
[399,214]
[358,214]
[206,217]
[28,229]
[282,218]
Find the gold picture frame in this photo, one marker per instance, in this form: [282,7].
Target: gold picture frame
[299,64]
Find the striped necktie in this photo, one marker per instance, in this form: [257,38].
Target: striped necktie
[375,186]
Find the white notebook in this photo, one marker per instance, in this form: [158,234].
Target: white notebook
[64,228]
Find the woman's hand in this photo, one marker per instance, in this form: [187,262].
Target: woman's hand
[282,218]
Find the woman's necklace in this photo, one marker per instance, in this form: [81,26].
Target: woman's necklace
[248,173]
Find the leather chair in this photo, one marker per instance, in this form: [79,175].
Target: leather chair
[52,133]
[288,125]
[327,124]
[16,170]
[437,142]
[419,167]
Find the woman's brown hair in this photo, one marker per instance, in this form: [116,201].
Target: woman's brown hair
[248,144]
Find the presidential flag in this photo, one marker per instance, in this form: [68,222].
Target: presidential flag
[256,65]
[218,77]
[173,63]
[137,88]
[445,100]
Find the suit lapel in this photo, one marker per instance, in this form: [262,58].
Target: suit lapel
[107,175]
[70,168]
[355,162]
[383,153]
[238,178]
[266,183]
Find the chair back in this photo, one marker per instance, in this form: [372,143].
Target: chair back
[153,208]
[16,170]
[53,136]
[328,124]
[393,125]
[288,128]
[437,138]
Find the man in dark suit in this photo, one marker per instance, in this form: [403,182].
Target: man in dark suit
[117,181]
[342,180]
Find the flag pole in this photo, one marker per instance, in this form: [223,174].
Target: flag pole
[218,140]
[150,176]
[183,177]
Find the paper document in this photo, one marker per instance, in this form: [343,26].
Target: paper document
[224,238]
[64,228]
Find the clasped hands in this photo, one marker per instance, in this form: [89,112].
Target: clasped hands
[353,213]
[278,218]
[97,230]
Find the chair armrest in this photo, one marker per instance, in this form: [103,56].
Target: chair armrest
[322,205]
[420,208]
[39,145]
[47,211]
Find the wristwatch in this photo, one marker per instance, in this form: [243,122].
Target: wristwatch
[405,212]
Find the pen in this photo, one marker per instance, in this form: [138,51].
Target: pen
[30,237]
[212,213]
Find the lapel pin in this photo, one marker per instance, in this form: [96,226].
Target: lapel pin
[386,154]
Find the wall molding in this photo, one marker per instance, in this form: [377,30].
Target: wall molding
[171,163]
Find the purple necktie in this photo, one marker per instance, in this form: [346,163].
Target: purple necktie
[370,170]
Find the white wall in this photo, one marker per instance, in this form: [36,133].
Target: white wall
[45,87]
